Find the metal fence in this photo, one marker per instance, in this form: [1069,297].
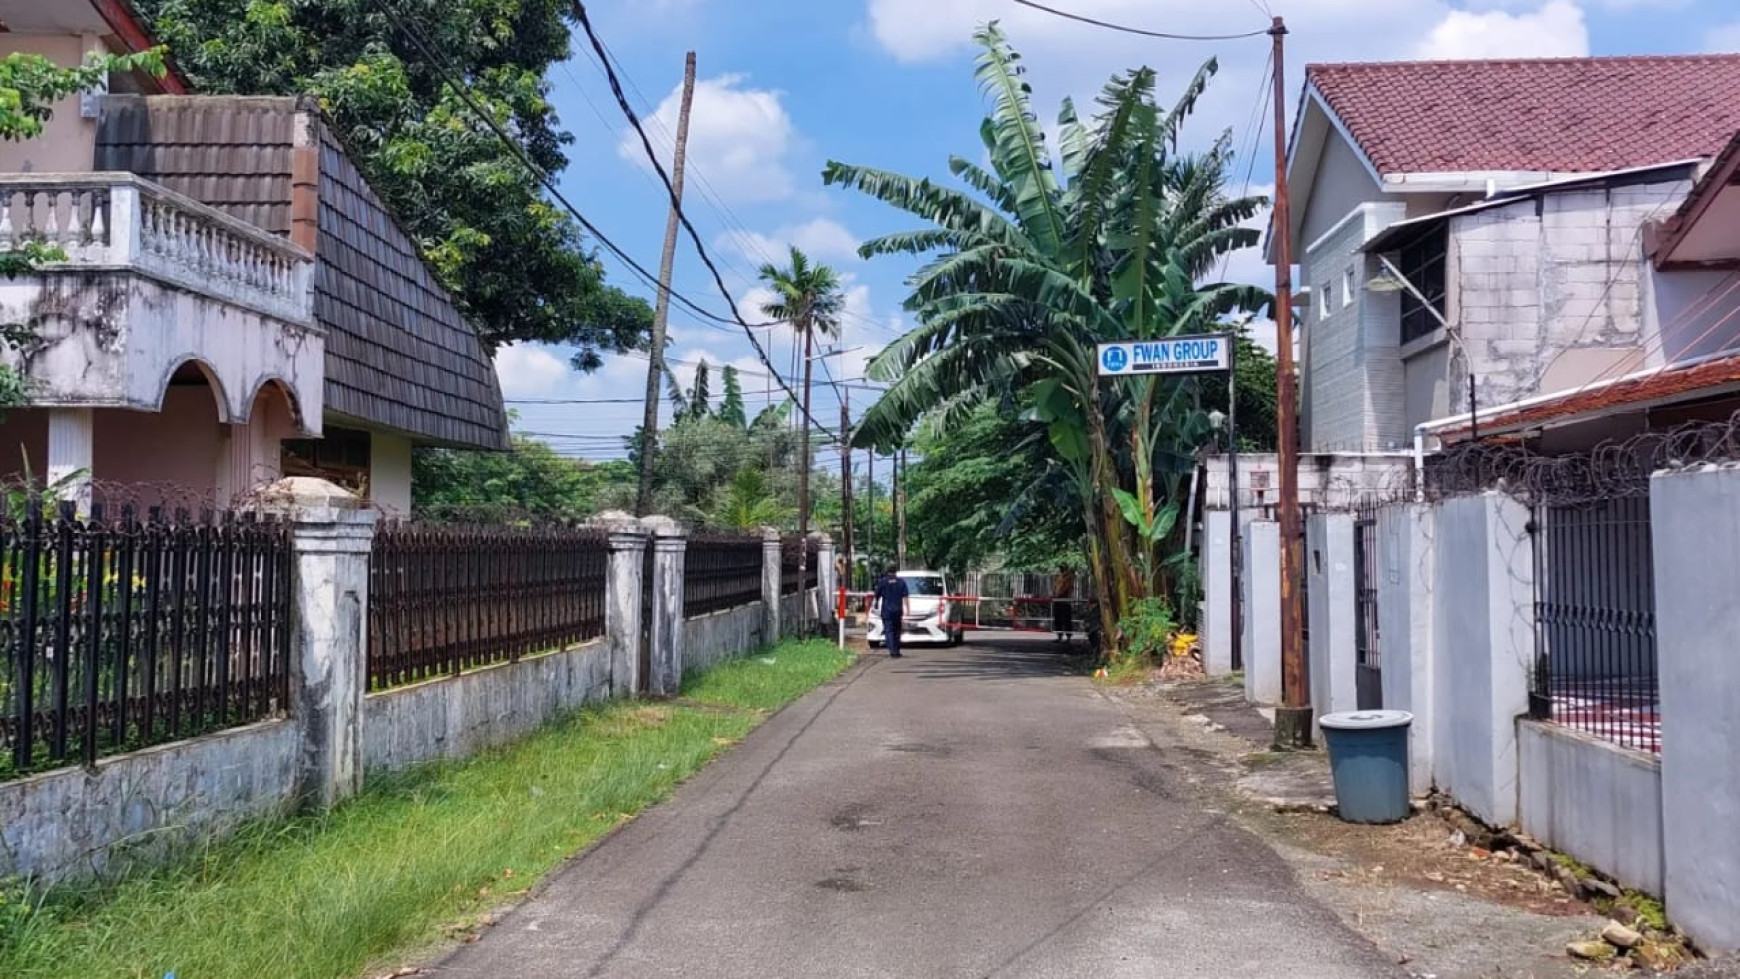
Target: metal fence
[721,573]
[1595,642]
[118,632]
[790,550]
[448,598]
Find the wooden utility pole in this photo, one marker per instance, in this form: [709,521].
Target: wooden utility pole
[1293,717]
[870,510]
[655,371]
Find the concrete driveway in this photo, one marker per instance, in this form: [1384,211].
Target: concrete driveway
[974,812]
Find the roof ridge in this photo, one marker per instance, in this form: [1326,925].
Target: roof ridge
[1496,62]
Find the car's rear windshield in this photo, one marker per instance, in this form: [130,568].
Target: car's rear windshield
[927,585]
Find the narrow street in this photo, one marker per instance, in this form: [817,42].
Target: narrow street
[973,812]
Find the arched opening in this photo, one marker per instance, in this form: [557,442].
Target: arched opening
[177,446]
[254,446]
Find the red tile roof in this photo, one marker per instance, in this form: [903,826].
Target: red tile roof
[1565,115]
[1670,384]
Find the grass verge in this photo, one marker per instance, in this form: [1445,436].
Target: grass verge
[324,897]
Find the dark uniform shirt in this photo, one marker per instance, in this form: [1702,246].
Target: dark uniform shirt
[891,591]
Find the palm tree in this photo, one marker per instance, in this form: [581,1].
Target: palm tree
[808,296]
[1026,276]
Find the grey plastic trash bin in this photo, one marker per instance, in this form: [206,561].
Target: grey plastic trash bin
[1368,755]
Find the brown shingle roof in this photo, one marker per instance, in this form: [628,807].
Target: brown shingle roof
[398,353]
[1566,115]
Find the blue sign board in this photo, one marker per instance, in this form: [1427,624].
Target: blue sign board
[1174,355]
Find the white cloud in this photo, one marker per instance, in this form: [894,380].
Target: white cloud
[739,139]
[819,238]
[529,371]
[1557,29]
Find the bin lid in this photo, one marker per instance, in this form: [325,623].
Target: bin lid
[1364,720]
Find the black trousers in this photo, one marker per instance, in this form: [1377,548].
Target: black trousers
[1062,615]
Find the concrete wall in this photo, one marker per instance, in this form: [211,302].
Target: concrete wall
[1405,607]
[1591,799]
[1326,482]
[791,609]
[1548,298]
[1483,641]
[458,716]
[1692,310]
[1342,183]
[1330,586]
[1217,652]
[147,805]
[1695,521]
[1262,594]
[711,639]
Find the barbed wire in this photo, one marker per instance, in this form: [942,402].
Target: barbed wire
[1614,469]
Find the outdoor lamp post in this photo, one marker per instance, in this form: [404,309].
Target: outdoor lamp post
[1226,424]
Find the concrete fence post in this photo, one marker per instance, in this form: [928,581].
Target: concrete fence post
[827,583]
[770,581]
[1217,639]
[1262,602]
[331,534]
[1334,649]
[1483,627]
[665,632]
[622,602]
[1695,527]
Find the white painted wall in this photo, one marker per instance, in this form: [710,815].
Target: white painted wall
[390,471]
[1695,521]
[1483,633]
[1592,799]
[1262,632]
[1405,563]
[1329,574]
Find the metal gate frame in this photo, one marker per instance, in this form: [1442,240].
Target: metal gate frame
[1368,673]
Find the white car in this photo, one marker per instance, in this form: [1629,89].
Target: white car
[931,617]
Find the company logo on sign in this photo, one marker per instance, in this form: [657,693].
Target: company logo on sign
[1114,359]
[1178,355]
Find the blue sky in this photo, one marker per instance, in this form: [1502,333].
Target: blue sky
[788,84]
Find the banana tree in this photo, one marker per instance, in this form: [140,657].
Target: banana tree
[1035,262]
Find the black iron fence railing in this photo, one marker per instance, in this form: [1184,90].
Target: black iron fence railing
[790,553]
[1595,640]
[119,631]
[447,598]
[721,573]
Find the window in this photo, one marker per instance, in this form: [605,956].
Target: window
[1422,263]
[342,456]
[1347,287]
[1323,301]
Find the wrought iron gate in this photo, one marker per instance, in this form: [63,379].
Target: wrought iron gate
[1368,676]
[1595,645]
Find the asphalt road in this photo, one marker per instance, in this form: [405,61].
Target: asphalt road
[972,812]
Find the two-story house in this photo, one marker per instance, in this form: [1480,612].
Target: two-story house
[1479,225]
[235,303]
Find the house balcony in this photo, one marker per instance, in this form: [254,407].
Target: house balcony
[152,295]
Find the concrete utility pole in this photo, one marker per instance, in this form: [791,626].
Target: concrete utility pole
[1293,717]
[900,503]
[846,484]
[649,428]
[870,509]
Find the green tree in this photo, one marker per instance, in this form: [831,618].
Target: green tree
[519,266]
[531,478]
[808,296]
[731,410]
[988,487]
[1110,241]
[695,403]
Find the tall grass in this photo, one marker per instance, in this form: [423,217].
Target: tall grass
[323,897]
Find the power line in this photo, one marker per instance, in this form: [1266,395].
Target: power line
[447,75]
[622,103]
[1136,30]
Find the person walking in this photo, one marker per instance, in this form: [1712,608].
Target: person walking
[1062,607]
[891,595]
